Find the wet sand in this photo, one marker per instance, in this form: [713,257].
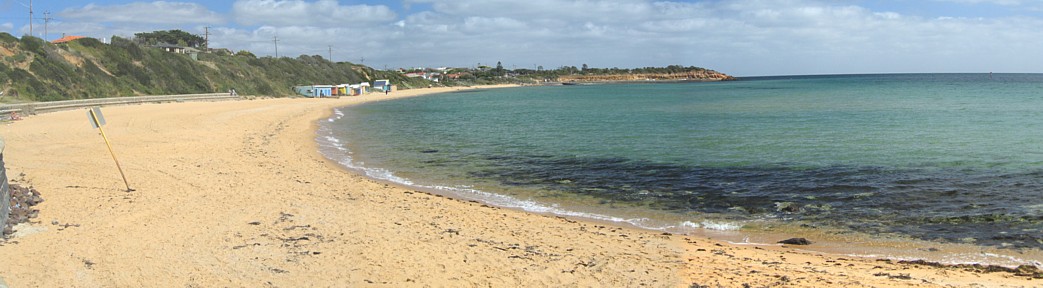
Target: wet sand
[236,194]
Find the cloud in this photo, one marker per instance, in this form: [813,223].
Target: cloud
[158,12]
[322,13]
[742,37]
[994,2]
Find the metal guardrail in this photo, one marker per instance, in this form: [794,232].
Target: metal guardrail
[40,107]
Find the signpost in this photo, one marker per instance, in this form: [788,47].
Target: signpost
[98,120]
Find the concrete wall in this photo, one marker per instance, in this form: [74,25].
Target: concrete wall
[41,107]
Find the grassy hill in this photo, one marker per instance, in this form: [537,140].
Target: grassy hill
[32,69]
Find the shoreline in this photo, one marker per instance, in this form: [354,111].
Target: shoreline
[830,241]
[240,196]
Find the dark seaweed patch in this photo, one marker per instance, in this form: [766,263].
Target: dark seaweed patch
[933,204]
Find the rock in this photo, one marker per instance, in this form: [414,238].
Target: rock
[788,207]
[22,200]
[796,241]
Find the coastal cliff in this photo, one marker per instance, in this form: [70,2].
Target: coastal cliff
[689,75]
[32,70]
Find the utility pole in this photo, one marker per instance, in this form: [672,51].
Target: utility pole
[46,18]
[362,60]
[331,53]
[276,41]
[206,39]
[30,17]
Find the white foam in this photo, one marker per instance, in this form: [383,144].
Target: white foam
[983,258]
[337,114]
[334,149]
[721,226]
[690,224]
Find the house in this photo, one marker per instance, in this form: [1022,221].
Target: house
[457,75]
[67,39]
[170,48]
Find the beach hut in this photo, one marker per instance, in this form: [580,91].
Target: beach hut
[314,90]
[305,90]
[323,90]
[342,90]
[382,85]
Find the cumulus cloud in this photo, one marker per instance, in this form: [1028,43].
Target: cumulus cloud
[742,37]
[996,2]
[158,12]
[322,13]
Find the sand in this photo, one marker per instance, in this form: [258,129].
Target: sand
[235,194]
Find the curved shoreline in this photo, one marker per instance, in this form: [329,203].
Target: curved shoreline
[763,232]
[236,194]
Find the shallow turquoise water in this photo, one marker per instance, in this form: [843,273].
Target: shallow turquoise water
[940,157]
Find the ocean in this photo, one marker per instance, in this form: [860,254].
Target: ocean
[952,159]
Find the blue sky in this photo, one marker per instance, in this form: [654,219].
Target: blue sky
[740,37]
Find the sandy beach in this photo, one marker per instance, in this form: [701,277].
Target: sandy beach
[236,194]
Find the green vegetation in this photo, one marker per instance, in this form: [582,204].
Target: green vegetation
[32,69]
[36,70]
[175,37]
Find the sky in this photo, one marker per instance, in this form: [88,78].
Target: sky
[737,37]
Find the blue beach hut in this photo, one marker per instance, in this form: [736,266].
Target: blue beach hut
[314,90]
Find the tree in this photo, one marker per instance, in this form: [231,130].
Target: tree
[245,54]
[499,68]
[169,37]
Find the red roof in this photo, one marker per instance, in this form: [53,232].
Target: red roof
[67,39]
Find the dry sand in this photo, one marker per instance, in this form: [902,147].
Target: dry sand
[235,194]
